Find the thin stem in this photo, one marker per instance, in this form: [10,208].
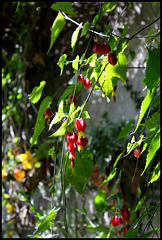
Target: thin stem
[142,29]
[92,90]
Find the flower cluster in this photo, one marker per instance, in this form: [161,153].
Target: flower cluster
[76,139]
[106,49]
[87,83]
[125,213]
[19,174]
[27,160]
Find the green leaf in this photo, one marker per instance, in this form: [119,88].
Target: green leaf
[47,221]
[125,29]
[57,27]
[144,106]
[126,130]
[37,92]
[112,74]
[69,91]
[109,6]
[155,174]
[111,176]
[153,69]
[132,54]
[51,151]
[100,201]
[75,37]
[61,62]
[154,146]
[90,59]
[122,45]
[75,62]
[95,20]
[83,165]
[65,7]
[85,29]
[73,80]
[61,131]
[152,121]
[40,123]
[112,42]
[132,233]
[119,203]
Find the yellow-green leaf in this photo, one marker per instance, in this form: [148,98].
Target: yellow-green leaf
[57,27]
[75,37]
[37,92]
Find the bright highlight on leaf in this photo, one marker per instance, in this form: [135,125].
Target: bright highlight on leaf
[75,37]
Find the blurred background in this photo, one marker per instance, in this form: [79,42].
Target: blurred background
[27,175]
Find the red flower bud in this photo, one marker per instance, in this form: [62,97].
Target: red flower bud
[82,141]
[105,48]
[80,124]
[97,48]
[48,113]
[72,155]
[87,83]
[72,137]
[80,78]
[66,134]
[116,221]
[72,99]
[126,229]
[125,214]
[112,58]
[137,151]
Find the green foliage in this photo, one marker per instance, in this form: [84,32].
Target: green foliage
[40,123]
[37,92]
[78,176]
[65,6]
[75,37]
[61,62]
[57,27]
[85,29]
[100,201]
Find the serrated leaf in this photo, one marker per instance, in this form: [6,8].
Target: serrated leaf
[83,165]
[144,106]
[122,45]
[155,174]
[40,123]
[125,130]
[112,42]
[37,92]
[61,62]
[110,177]
[75,37]
[112,74]
[57,27]
[154,146]
[75,62]
[65,7]
[85,28]
[153,69]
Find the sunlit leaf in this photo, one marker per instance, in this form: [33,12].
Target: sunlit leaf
[75,62]
[37,92]
[75,37]
[57,27]
[65,7]
[155,174]
[86,27]
[61,62]
[61,131]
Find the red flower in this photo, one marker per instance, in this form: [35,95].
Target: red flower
[105,48]
[137,151]
[72,137]
[112,58]
[71,147]
[80,78]
[126,229]
[72,99]
[116,221]
[80,124]
[97,48]
[66,134]
[82,141]
[48,113]
[87,83]
[125,214]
